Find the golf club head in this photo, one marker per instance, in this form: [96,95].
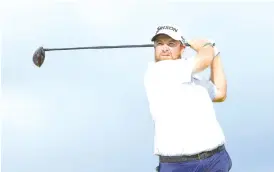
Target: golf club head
[39,57]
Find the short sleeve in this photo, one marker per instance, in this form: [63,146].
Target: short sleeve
[208,85]
[212,89]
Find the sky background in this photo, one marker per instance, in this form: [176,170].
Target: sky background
[87,110]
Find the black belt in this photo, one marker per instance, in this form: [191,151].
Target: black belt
[199,156]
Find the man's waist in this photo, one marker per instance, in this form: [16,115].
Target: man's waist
[187,141]
[187,146]
[198,156]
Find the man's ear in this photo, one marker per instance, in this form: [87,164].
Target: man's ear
[182,48]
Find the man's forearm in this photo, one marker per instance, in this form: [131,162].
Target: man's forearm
[218,78]
[204,56]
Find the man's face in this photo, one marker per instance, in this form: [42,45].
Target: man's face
[167,48]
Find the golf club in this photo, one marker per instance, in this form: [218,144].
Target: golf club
[39,55]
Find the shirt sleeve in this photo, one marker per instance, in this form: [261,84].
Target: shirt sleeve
[212,90]
[208,85]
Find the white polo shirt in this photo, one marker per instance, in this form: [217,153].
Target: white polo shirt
[182,109]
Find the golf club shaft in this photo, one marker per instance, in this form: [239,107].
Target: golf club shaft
[99,47]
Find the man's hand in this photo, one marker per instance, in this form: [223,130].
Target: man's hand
[204,56]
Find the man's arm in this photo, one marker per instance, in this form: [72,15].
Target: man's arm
[218,79]
[204,56]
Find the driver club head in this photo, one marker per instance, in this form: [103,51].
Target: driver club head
[39,57]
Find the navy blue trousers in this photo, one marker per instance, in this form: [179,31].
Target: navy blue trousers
[219,162]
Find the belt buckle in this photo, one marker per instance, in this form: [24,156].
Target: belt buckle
[199,157]
[203,155]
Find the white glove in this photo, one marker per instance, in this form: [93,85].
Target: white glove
[216,51]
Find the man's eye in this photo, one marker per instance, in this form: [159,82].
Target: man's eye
[172,44]
[159,43]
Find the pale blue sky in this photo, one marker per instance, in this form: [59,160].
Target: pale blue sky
[87,110]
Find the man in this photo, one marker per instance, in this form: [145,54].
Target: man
[188,137]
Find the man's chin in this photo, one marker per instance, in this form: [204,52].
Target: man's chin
[166,57]
[162,58]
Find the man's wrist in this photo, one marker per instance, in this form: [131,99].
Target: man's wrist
[208,44]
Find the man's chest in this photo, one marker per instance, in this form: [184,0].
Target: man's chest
[167,74]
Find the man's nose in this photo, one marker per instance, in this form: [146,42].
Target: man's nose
[165,48]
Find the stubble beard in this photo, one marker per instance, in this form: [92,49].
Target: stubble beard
[157,59]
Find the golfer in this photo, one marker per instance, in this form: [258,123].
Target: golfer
[188,137]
